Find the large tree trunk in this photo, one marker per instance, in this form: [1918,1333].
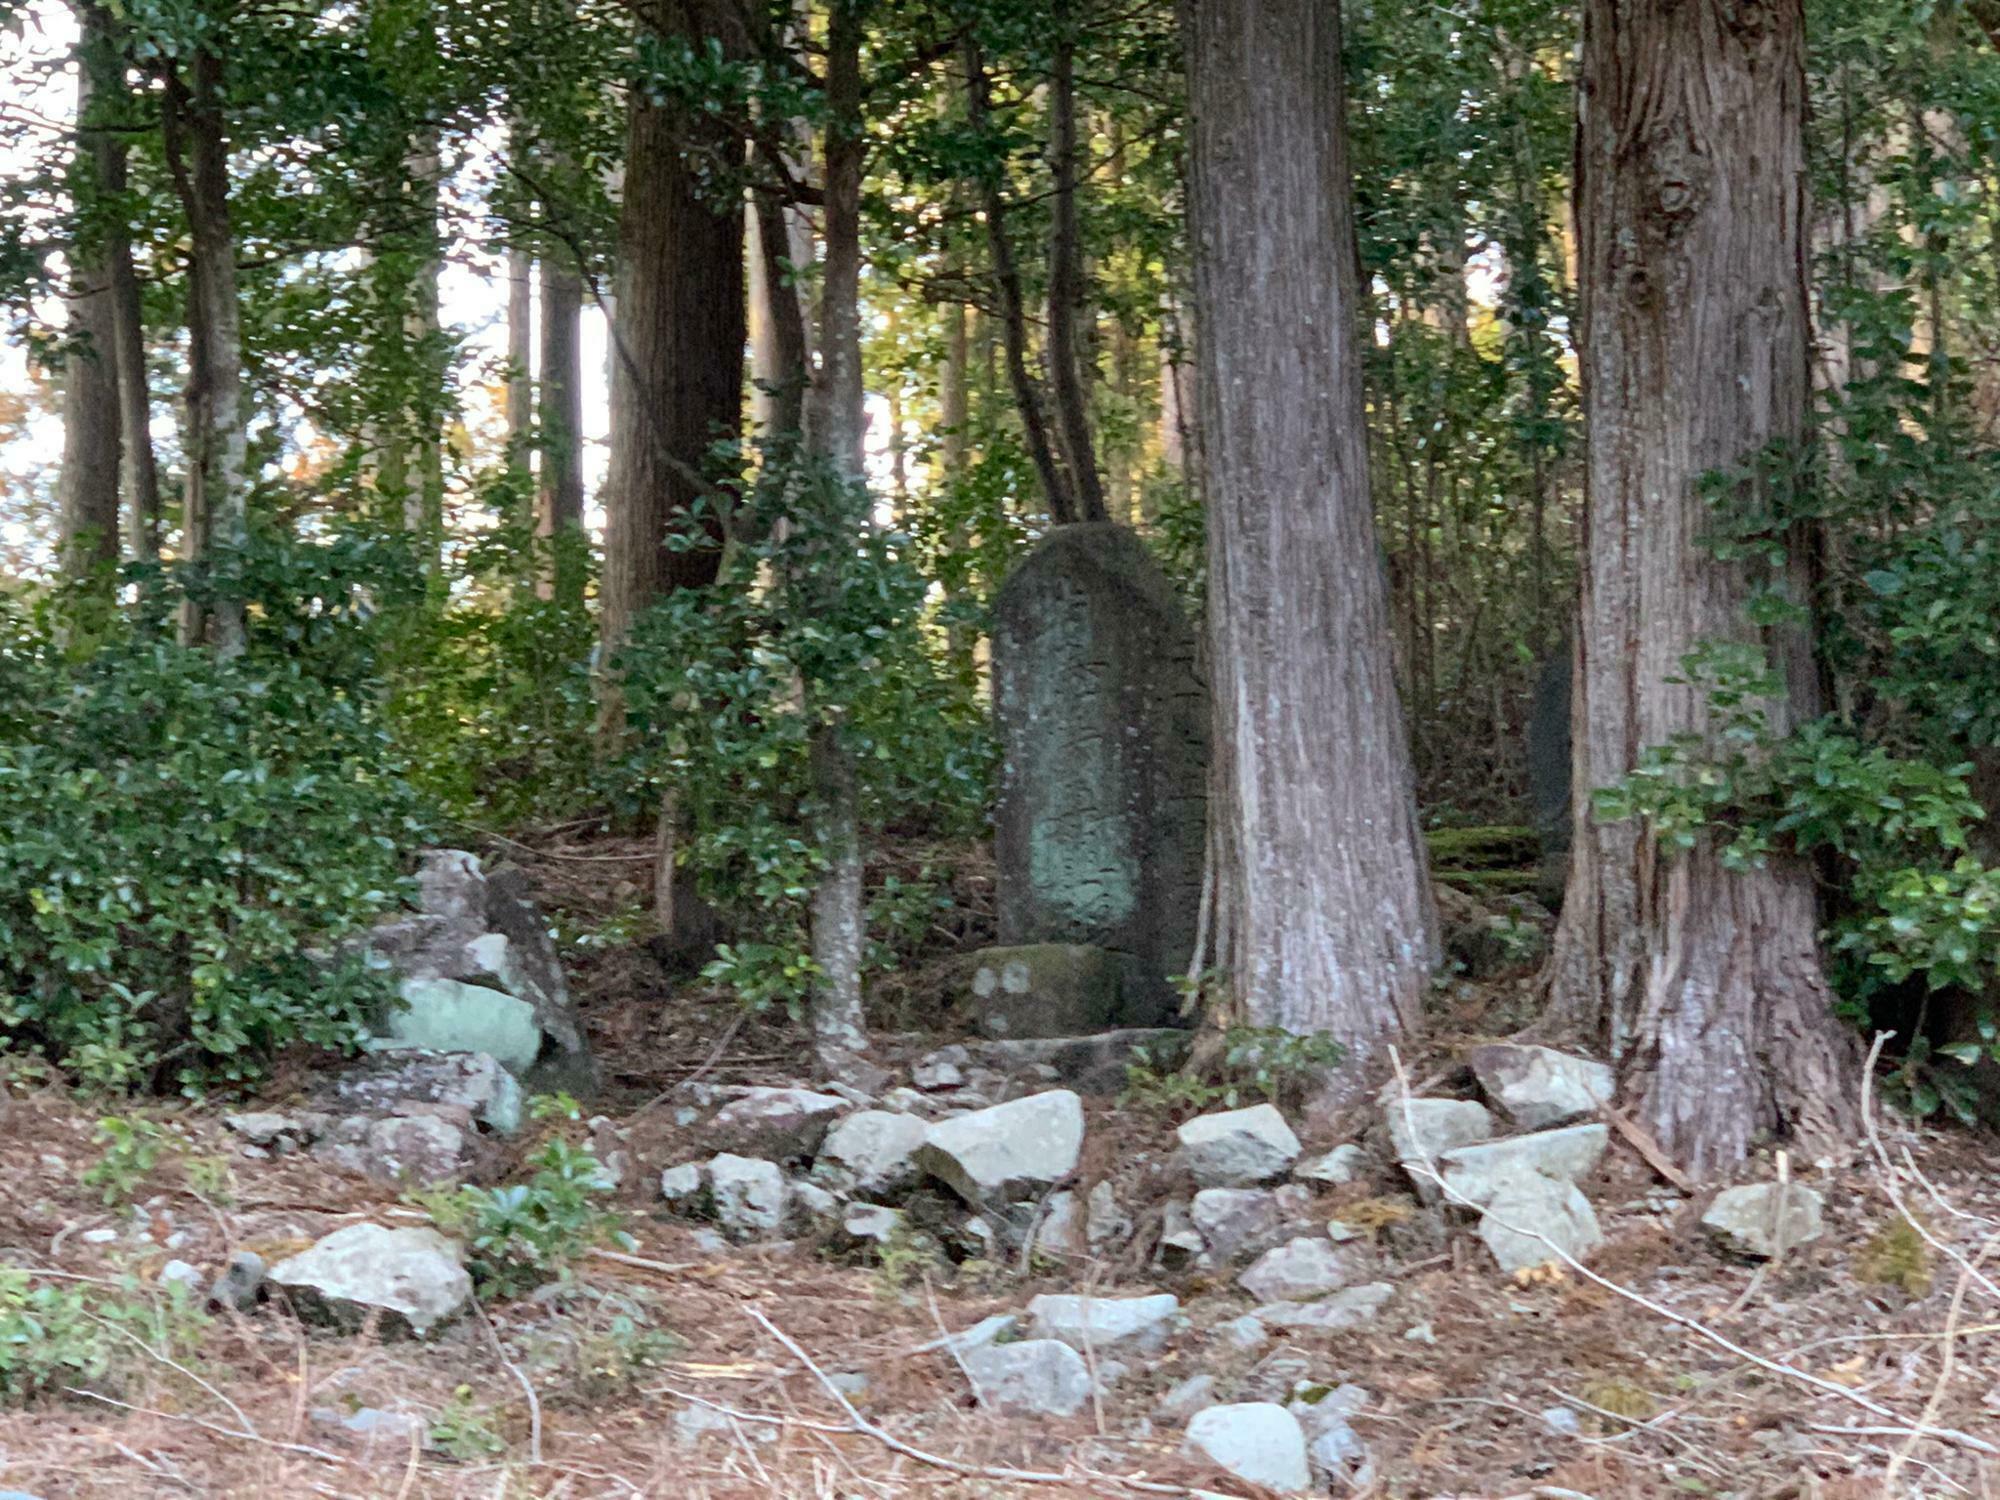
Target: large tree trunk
[835,429]
[87,485]
[1705,983]
[1324,918]
[215,517]
[559,498]
[679,336]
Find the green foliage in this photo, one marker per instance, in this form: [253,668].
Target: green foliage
[189,835]
[57,1335]
[131,1148]
[818,627]
[465,1430]
[526,1233]
[1178,1081]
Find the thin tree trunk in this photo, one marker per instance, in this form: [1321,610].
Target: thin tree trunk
[87,484]
[954,407]
[1323,904]
[779,349]
[1013,307]
[423,468]
[839,915]
[1072,401]
[559,496]
[215,516]
[520,353]
[1704,982]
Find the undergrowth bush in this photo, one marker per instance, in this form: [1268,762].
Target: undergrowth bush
[189,837]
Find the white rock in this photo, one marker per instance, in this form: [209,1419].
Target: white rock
[1141,1323]
[978,1336]
[1527,1213]
[871,1222]
[1008,1150]
[1356,1307]
[1339,1166]
[1476,1173]
[1060,1235]
[1235,1221]
[872,1152]
[748,1193]
[682,1185]
[1762,1218]
[933,1075]
[1107,1221]
[1254,1440]
[1245,1333]
[1186,1398]
[1298,1271]
[1537,1087]
[180,1273]
[1039,1377]
[1423,1130]
[810,1204]
[1238,1147]
[409,1277]
[693,1423]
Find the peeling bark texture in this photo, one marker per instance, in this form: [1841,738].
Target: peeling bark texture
[1324,916]
[1705,984]
[87,484]
[679,334]
[559,496]
[214,515]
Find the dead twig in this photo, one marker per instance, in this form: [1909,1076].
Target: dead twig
[305,1450]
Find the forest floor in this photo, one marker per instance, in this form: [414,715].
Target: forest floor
[573,1393]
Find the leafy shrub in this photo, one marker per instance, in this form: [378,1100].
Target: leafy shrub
[132,1148]
[1179,1080]
[185,832]
[55,1335]
[819,625]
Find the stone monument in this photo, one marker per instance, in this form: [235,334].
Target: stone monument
[1103,721]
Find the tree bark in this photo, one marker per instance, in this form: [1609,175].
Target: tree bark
[215,517]
[835,431]
[520,353]
[780,359]
[1324,918]
[1691,199]
[679,336]
[1072,401]
[87,484]
[559,496]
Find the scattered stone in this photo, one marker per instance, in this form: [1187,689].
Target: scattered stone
[1278,1376]
[1008,1151]
[1341,1165]
[1106,1222]
[903,1101]
[1243,1333]
[1103,723]
[1238,1147]
[1765,1219]
[693,1423]
[1529,1215]
[1061,1232]
[269,1128]
[1038,1377]
[1355,1307]
[1562,1421]
[778,1124]
[419,1149]
[932,1076]
[1538,1087]
[1186,1398]
[682,1186]
[1422,1130]
[809,1203]
[1093,1064]
[871,1223]
[179,1273]
[748,1194]
[1298,1271]
[872,1152]
[1475,1173]
[449,1015]
[1181,1244]
[99,1236]
[397,1428]
[992,1330]
[390,1078]
[1338,1453]
[410,1278]
[240,1282]
[1043,990]
[1143,1323]
[1420,1333]
[1254,1440]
